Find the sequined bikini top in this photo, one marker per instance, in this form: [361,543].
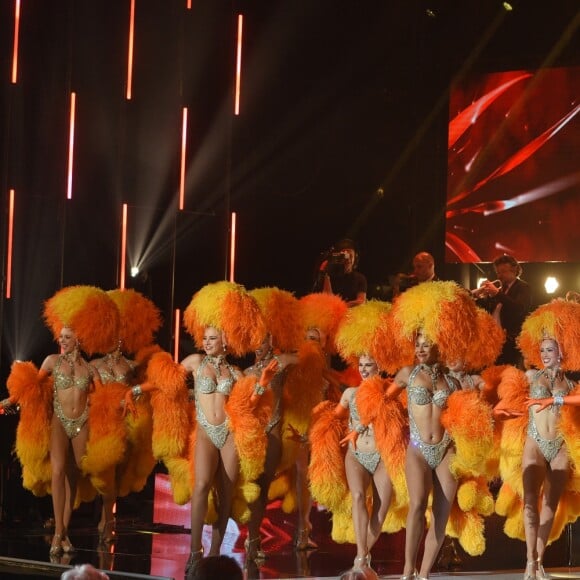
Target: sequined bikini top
[539,391]
[420,395]
[109,376]
[206,385]
[62,381]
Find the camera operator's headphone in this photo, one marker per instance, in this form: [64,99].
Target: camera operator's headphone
[348,244]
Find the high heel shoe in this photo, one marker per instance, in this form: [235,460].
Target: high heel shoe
[253,549]
[303,541]
[530,572]
[66,544]
[194,558]
[106,533]
[361,562]
[540,572]
[56,545]
[411,576]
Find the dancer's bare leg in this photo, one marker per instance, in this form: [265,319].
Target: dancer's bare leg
[419,483]
[444,491]
[205,468]
[59,451]
[304,499]
[358,479]
[554,484]
[534,469]
[228,471]
[258,508]
[382,491]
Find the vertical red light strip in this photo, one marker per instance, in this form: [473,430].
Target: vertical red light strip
[238,65]
[233,247]
[123,247]
[183,151]
[176,335]
[10,235]
[189,4]
[130,51]
[16,37]
[71,143]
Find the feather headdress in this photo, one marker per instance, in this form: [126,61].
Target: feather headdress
[283,317]
[357,329]
[89,312]
[140,319]
[230,308]
[558,320]
[443,312]
[324,312]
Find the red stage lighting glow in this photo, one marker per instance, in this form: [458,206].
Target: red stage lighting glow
[15,46]
[238,65]
[130,51]
[177,328]
[71,143]
[123,247]
[183,152]
[233,247]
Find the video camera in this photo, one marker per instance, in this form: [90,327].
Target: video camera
[336,261]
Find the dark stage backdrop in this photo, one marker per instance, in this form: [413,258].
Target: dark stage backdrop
[343,131]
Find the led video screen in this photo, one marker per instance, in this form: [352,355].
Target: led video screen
[513,183]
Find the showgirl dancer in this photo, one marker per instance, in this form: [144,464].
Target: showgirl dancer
[540,454]
[62,409]
[139,321]
[282,315]
[215,449]
[451,431]
[306,386]
[366,467]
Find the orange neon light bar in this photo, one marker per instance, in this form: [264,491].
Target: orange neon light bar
[189,4]
[10,238]
[183,151]
[238,65]
[123,247]
[233,246]
[176,333]
[71,143]
[130,51]
[16,37]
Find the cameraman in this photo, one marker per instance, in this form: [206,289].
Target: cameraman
[338,274]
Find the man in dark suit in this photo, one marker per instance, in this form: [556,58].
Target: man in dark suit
[509,305]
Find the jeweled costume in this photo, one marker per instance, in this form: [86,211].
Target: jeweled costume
[445,314]
[227,307]
[95,320]
[558,321]
[369,412]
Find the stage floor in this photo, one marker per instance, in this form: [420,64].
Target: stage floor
[152,540]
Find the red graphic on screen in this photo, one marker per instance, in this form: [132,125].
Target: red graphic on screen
[513,167]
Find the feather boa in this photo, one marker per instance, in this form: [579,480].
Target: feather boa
[172,421]
[303,390]
[34,395]
[468,419]
[107,441]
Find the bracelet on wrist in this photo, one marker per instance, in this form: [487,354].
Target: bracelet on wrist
[558,400]
[259,389]
[137,391]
